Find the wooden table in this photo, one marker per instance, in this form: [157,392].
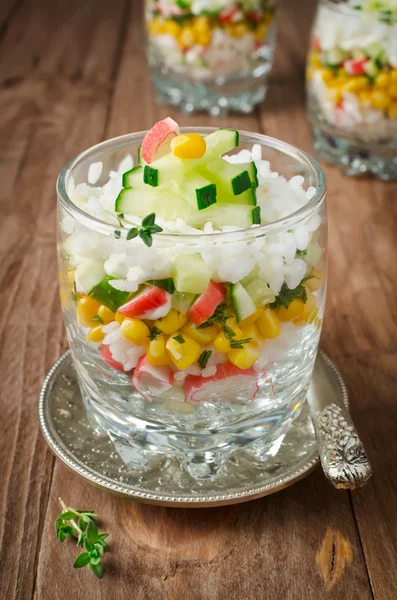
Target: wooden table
[71,74]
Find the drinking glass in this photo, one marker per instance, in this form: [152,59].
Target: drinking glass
[248,400]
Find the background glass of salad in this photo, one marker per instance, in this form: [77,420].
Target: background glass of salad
[352,85]
[210,54]
[235,394]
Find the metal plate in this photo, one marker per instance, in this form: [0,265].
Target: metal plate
[92,455]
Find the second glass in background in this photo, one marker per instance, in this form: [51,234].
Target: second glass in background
[210,55]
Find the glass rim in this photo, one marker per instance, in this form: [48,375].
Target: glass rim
[265,141]
[343,8]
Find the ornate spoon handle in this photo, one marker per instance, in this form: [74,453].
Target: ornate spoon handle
[342,453]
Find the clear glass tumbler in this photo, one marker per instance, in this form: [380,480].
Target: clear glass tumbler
[352,87]
[210,55]
[161,386]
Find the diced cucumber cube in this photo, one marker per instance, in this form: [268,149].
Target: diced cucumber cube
[90,273]
[219,142]
[371,68]
[164,202]
[182,301]
[140,159]
[259,292]
[151,176]
[192,275]
[248,197]
[231,178]
[133,178]
[242,304]
[238,215]
[108,295]
[199,191]
[256,215]
[165,169]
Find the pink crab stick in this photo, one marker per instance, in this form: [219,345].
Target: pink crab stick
[108,358]
[151,381]
[152,303]
[227,384]
[205,305]
[156,142]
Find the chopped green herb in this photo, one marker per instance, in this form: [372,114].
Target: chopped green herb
[154,333]
[220,316]
[179,338]
[239,343]
[97,319]
[286,295]
[228,331]
[301,252]
[204,358]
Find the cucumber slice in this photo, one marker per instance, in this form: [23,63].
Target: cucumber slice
[248,197]
[252,276]
[231,178]
[140,159]
[191,274]
[90,273]
[256,215]
[182,301]
[238,215]
[199,191]
[164,169]
[165,284]
[219,142]
[242,304]
[259,292]
[166,203]
[133,178]
[108,295]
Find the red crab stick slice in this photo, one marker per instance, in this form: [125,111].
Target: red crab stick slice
[227,385]
[108,358]
[156,142]
[152,303]
[356,66]
[151,381]
[204,307]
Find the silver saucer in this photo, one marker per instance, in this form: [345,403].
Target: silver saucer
[92,455]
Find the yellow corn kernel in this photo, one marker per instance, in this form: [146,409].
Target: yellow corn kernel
[261,32]
[294,311]
[392,90]
[222,343]
[157,361]
[186,37]
[203,38]
[252,331]
[269,324]
[355,85]
[380,100]
[183,355]
[252,318]
[342,72]
[309,313]
[382,80]
[171,28]
[105,314]
[157,346]
[239,29]
[334,95]
[203,336]
[392,111]
[87,309]
[327,75]
[201,24]
[95,334]
[156,26]
[314,60]
[393,76]
[365,97]
[244,357]
[315,282]
[171,322]
[119,318]
[188,145]
[135,331]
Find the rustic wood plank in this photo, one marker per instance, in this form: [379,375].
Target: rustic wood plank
[50,110]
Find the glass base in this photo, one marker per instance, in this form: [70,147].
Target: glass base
[216,99]
[354,157]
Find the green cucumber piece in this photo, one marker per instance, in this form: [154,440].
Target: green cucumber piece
[199,191]
[252,275]
[165,169]
[133,178]
[182,301]
[140,159]
[248,197]
[165,284]
[238,215]
[242,304]
[256,215]
[219,142]
[234,179]
[151,176]
[164,202]
[259,292]
[90,273]
[108,295]
[191,274]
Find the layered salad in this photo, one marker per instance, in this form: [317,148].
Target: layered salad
[208,38]
[185,296]
[352,66]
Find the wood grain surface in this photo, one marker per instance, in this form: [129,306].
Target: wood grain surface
[71,74]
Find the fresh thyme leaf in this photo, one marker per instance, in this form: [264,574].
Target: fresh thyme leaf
[133,232]
[97,570]
[146,237]
[204,358]
[148,220]
[286,295]
[117,234]
[179,338]
[239,343]
[154,228]
[82,560]
[154,333]
[97,319]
